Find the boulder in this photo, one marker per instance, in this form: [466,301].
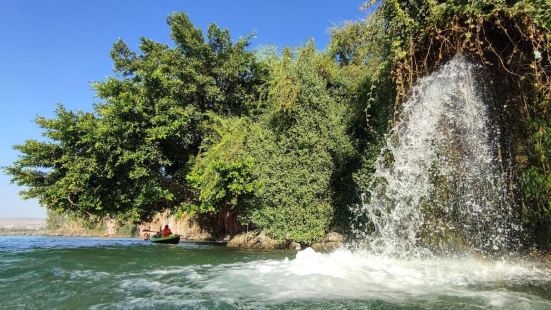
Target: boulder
[331,242]
[255,240]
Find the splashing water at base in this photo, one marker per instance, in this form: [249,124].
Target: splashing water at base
[364,276]
[440,181]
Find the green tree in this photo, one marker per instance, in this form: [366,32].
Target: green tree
[222,173]
[131,156]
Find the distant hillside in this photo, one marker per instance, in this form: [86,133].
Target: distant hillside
[22,225]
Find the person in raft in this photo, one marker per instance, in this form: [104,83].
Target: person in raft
[166,232]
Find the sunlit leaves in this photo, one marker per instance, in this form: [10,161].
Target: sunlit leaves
[130,157]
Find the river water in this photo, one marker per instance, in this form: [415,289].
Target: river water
[101,273]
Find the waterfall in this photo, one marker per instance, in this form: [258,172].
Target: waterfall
[440,181]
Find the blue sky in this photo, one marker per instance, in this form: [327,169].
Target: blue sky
[50,51]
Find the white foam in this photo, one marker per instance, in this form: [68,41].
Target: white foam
[352,275]
[364,275]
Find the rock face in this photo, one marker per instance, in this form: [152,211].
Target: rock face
[331,242]
[186,227]
[259,240]
[255,240]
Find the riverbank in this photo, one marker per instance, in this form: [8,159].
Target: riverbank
[250,240]
[186,227]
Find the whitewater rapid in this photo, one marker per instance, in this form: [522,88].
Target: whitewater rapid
[349,275]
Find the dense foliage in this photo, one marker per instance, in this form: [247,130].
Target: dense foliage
[286,142]
[300,146]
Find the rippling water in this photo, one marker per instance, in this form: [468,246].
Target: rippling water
[96,273]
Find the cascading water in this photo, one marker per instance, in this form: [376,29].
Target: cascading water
[440,180]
